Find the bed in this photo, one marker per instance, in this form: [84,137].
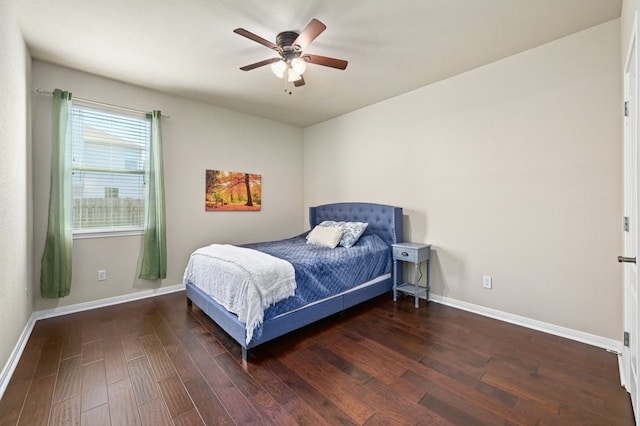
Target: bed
[384,229]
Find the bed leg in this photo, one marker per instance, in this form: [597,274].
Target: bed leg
[189,303]
[245,355]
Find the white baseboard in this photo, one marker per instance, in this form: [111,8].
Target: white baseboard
[580,336]
[79,307]
[12,363]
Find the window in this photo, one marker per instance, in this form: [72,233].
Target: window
[109,156]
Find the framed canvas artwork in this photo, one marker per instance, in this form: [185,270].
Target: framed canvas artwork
[232,191]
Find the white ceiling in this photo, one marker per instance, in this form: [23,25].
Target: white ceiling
[393,46]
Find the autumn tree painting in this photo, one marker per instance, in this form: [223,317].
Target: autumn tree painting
[232,191]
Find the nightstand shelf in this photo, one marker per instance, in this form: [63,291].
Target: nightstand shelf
[410,253]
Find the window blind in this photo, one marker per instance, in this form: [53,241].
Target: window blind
[109,156]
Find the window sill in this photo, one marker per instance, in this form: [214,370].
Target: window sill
[106,233]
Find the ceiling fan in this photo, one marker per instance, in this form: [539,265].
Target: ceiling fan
[292,63]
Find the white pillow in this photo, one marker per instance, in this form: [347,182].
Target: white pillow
[327,236]
[351,231]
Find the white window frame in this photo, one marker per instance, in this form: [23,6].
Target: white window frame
[114,231]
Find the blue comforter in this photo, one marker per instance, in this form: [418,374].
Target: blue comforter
[322,272]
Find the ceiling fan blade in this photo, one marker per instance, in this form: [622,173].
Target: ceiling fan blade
[259,64]
[327,62]
[310,32]
[258,39]
[299,82]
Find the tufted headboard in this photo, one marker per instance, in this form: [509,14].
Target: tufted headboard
[385,221]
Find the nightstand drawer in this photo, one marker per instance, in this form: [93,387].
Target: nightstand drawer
[408,255]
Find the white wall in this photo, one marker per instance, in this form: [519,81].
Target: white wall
[513,170]
[15,203]
[195,138]
[629,10]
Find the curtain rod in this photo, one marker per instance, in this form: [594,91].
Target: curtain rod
[89,101]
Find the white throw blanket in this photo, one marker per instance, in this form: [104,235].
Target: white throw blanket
[243,280]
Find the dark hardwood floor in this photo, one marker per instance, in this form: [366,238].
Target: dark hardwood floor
[155,362]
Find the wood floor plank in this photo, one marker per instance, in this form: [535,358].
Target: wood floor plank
[244,382]
[162,330]
[207,403]
[94,385]
[213,413]
[387,370]
[154,413]
[92,352]
[182,362]
[304,414]
[16,392]
[199,390]
[123,409]
[37,406]
[498,403]
[13,400]
[271,383]
[175,396]
[314,398]
[449,412]
[232,399]
[131,345]
[72,343]
[262,401]
[98,416]
[270,410]
[69,382]
[50,331]
[461,378]
[142,380]
[211,344]
[448,404]
[115,364]
[155,361]
[190,418]
[91,330]
[398,407]
[516,383]
[379,419]
[337,386]
[49,360]
[66,412]
[158,359]
[348,367]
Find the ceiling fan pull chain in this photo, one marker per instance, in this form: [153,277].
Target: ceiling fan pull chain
[287,89]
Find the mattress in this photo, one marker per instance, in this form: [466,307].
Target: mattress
[322,272]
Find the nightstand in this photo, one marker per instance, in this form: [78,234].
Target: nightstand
[410,253]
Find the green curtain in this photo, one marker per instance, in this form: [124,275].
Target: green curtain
[55,272]
[154,259]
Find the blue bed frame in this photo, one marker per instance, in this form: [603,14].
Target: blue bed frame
[385,221]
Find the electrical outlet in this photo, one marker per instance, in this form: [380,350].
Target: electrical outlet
[102,275]
[486,281]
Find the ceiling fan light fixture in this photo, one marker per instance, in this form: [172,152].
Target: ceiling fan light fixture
[279,68]
[293,75]
[298,65]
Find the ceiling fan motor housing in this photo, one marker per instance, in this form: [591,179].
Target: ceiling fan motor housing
[286,38]
[288,50]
